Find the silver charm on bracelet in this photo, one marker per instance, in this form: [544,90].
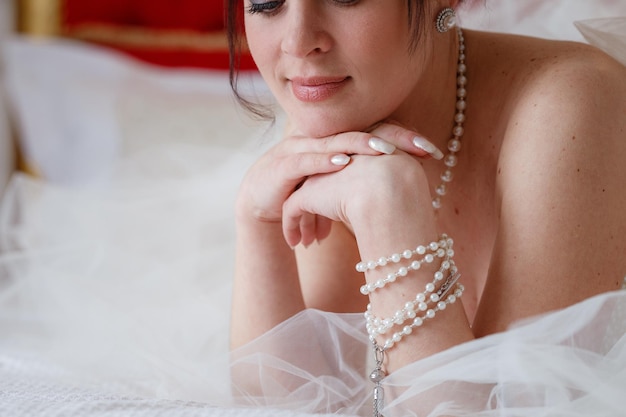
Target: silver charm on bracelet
[376,376]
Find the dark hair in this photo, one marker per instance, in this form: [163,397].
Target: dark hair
[234,32]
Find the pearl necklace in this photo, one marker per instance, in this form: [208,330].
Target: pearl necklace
[454,144]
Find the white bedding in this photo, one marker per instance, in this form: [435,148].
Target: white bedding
[115,269]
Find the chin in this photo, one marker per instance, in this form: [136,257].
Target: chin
[321,131]
[326,125]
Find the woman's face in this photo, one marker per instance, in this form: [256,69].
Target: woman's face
[334,65]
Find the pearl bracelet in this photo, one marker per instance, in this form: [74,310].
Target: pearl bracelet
[443,243]
[440,249]
[426,304]
[419,321]
[376,326]
[391,277]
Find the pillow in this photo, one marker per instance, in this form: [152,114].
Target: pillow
[543,18]
[79,107]
[607,34]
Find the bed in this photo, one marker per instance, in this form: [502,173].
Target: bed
[129,149]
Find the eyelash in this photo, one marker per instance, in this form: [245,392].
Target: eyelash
[268,8]
[271,7]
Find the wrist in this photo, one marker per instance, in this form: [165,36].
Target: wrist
[387,227]
[393,209]
[250,211]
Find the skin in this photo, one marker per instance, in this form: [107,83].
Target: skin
[536,209]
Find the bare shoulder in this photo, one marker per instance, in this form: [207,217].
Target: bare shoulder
[544,96]
[555,101]
[561,116]
[519,71]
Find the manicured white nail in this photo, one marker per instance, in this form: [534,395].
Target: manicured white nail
[427,147]
[340,159]
[381,146]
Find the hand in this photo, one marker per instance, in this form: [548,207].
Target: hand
[285,167]
[396,180]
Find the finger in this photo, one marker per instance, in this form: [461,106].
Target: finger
[308,229]
[348,143]
[324,226]
[381,145]
[299,166]
[299,225]
[383,138]
[291,220]
[291,229]
[406,140]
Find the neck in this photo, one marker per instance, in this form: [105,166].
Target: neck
[430,108]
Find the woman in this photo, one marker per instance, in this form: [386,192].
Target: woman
[403,130]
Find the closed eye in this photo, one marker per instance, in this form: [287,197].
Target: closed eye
[271,7]
[266,7]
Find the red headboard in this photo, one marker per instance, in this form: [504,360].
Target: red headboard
[188,33]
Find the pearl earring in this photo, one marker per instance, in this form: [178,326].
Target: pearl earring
[446,20]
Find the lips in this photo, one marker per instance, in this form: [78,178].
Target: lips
[315,89]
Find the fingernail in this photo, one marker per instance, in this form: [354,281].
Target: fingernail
[381,146]
[340,159]
[427,147]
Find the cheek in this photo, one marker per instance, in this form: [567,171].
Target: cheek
[387,72]
[259,42]
[380,50]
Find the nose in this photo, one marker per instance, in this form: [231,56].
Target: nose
[305,33]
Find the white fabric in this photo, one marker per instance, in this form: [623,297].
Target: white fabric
[569,363]
[28,388]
